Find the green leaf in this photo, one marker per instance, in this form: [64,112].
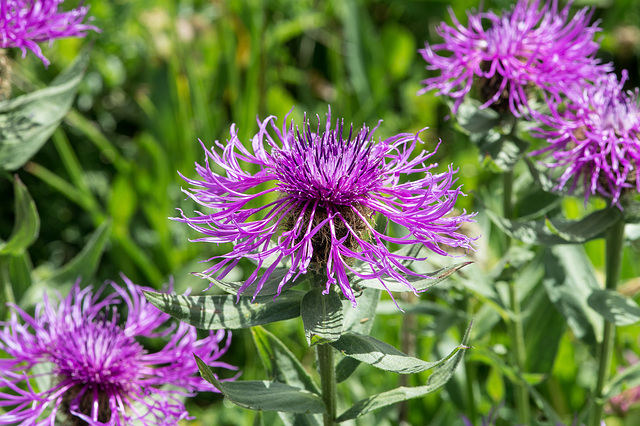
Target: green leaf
[345,368]
[264,395]
[269,288]
[474,120]
[280,363]
[222,311]
[629,377]
[614,307]
[27,225]
[28,121]
[382,355]
[282,366]
[322,316]
[503,150]
[359,320]
[419,283]
[438,379]
[569,281]
[558,231]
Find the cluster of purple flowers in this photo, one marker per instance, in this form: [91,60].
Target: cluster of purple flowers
[74,361]
[539,62]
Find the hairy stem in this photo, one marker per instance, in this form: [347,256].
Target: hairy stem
[327,381]
[516,329]
[615,239]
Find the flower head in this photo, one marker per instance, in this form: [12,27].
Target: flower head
[594,138]
[24,23]
[507,56]
[96,371]
[318,213]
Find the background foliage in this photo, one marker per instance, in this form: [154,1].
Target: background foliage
[164,73]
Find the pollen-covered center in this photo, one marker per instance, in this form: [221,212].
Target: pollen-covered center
[328,167]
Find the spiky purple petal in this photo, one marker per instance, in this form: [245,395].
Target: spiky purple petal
[24,23]
[325,184]
[530,45]
[96,369]
[594,139]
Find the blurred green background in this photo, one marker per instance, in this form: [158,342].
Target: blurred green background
[164,74]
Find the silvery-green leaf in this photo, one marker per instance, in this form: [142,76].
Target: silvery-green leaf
[222,311]
[269,288]
[27,222]
[558,231]
[322,316]
[614,307]
[27,122]
[440,376]
[419,283]
[264,395]
[382,355]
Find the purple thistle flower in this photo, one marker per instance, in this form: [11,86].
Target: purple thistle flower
[595,139]
[98,373]
[507,56]
[318,213]
[24,23]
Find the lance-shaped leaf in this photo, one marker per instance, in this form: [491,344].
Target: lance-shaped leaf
[28,121]
[474,120]
[280,363]
[558,231]
[382,355]
[614,307]
[264,395]
[569,280]
[438,379]
[27,224]
[269,288]
[222,311]
[419,283]
[359,320]
[282,366]
[322,316]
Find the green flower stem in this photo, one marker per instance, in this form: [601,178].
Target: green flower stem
[615,239]
[327,381]
[5,283]
[515,327]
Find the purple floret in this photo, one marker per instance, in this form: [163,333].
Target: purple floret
[317,212]
[74,360]
[594,139]
[24,23]
[508,56]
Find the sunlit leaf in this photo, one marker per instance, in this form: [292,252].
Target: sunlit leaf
[27,222]
[27,122]
[382,355]
[221,311]
[614,307]
[264,395]
[438,379]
